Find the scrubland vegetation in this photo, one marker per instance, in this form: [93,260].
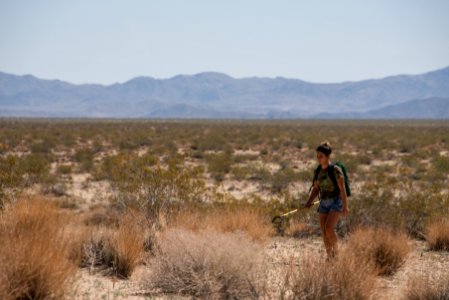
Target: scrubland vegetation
[185,207]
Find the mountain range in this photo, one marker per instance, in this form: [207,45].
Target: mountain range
[217,95]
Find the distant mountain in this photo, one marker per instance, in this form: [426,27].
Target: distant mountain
[431,108]
[217,95]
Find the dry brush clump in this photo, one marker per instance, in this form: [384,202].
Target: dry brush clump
[311,277]
[438,235]
[246,219]
[433,286]
[116,250]
[387,250]
[36,255]
[206,264]
[299,229]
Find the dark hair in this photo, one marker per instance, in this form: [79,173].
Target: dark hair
[324,147]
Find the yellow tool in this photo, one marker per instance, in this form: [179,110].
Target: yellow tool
[279,220]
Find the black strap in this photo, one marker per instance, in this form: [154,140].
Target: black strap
[330,171]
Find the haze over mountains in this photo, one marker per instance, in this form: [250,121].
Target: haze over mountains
[217,95]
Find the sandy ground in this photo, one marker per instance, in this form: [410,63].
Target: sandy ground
[420,261]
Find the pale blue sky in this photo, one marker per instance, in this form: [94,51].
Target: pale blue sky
[320,41]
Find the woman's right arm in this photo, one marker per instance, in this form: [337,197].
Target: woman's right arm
[313,194]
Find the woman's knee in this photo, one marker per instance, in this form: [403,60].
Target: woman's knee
[329,229]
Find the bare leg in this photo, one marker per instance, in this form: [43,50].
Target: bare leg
[323,221]
[331,222]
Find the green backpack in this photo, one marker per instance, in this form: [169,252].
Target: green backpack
[330,170]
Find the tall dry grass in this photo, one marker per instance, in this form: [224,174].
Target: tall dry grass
[206,264]
[116,250]
[245,219]
[36,257]
[434,286]
[437,235]
[387,250]
[299,229]
[311,277]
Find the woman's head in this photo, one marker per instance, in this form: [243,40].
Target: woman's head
[323,152]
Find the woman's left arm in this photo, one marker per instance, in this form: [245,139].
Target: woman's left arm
[341,185]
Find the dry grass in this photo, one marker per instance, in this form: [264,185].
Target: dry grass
[252,222]
[127,246]
[385,249]
[35,255]
[438,235]
[116,250]
[206,264]
[314,278]
[426,287]
[299,229]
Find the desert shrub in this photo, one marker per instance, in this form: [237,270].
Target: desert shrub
[437,235]
[116,251]
[85,159]
[206,264]
[441,165]
[219,164]
[245,219]
[433,286]
[385,249]
[310,277]
[156,190]
[35,168]
[64,169]
[10,177]
[35,255]
[377,205]
[281,179]
[241,172]
[44,146]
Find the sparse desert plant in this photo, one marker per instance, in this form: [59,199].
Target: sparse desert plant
[84,158]
[157,190]
[11,177]
[64,169]
[219,164]
[206,264]
[311,277]
[434,286]
[386,249]
[438,235]
[35,255]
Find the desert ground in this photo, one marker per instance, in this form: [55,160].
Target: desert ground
[182,209]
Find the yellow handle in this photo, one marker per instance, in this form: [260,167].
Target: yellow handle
[295,210]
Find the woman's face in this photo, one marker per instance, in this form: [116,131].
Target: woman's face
[321,157]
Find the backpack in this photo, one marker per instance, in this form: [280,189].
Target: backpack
[330,170]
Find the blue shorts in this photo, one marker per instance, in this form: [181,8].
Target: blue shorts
[326,205]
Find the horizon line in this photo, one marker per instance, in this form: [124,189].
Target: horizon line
[224,74]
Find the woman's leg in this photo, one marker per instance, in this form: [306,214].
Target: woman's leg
[329,227]
[323,221]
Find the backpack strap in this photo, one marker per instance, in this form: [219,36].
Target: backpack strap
[330,171]
[315,176]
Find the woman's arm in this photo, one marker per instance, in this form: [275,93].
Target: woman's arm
[341,185]
[313,194]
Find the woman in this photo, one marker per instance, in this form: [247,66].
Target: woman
[333,202]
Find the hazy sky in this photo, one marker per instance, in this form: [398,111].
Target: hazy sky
[321,41]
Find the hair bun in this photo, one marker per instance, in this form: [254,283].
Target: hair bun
[324,147]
